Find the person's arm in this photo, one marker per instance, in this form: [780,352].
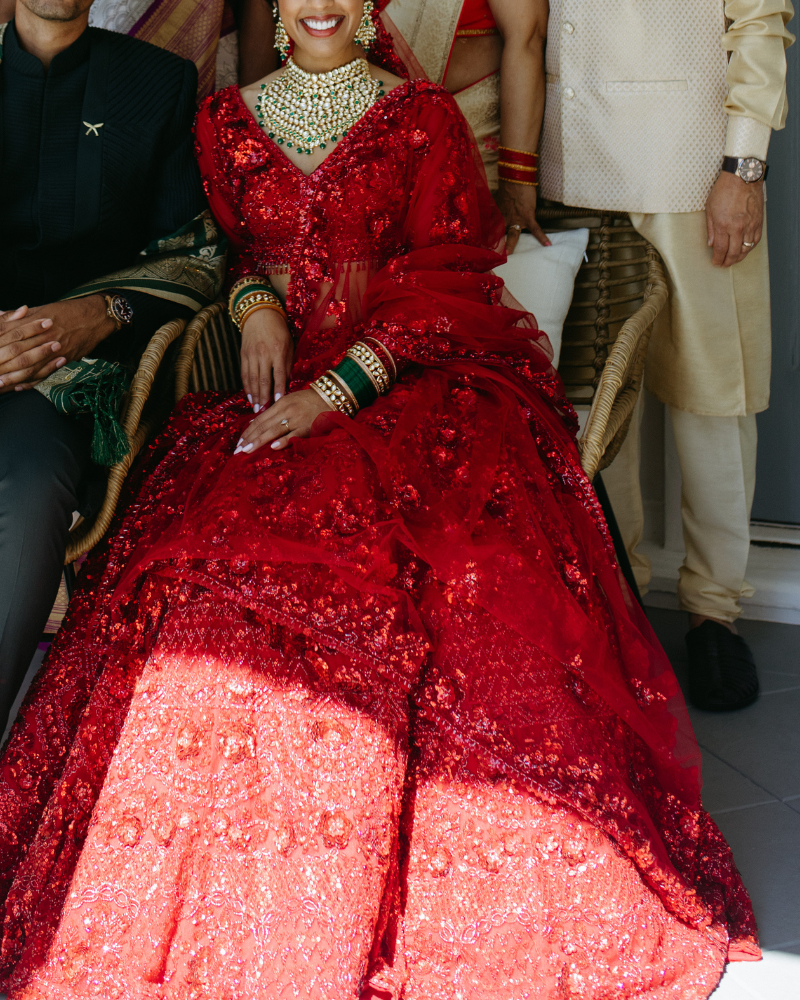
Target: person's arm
[257,55]
[756,104]
[6,10]
[523,26]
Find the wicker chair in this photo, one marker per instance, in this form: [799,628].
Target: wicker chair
[143,410]
[619,291]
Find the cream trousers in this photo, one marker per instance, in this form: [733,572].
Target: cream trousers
[710,352]
[717,458]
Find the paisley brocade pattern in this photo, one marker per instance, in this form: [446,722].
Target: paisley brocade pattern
[371,716]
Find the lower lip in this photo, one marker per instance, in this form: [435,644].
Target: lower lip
[316,33]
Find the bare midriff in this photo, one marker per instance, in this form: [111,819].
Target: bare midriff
[471,60]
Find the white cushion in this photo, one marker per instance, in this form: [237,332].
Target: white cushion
[542,279]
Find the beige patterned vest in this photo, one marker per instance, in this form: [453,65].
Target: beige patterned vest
[635,115]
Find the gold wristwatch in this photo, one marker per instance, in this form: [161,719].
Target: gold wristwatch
[119,310]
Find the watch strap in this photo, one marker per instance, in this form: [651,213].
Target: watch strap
[730,164]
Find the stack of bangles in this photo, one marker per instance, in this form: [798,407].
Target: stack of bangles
[250,294]
[367,371]
[517,166]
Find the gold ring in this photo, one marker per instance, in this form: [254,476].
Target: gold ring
[285,423]
[515,226]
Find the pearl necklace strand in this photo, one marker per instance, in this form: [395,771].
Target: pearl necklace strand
[307,110]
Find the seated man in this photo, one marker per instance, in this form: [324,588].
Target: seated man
[105,237]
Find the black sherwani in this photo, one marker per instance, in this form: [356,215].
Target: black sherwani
[77,201]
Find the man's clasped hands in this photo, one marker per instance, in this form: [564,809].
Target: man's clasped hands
[36,342]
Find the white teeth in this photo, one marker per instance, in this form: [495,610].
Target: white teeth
[318,25]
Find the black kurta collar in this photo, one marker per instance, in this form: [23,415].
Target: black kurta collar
[20,61]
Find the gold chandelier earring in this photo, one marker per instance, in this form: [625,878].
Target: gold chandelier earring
[366,33]
[282,40]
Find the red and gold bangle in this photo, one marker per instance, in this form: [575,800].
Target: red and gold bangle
[518,175]
[517,166]
[517,157]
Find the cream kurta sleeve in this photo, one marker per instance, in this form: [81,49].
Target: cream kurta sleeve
[756,101]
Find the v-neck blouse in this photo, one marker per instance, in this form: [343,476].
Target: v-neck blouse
[351,209]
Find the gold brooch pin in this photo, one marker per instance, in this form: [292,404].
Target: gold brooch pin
[93,128]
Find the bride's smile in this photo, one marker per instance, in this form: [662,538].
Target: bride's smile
[319,27]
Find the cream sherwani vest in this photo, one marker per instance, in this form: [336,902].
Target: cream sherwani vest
[635,117]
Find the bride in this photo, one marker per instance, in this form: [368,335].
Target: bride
[353,704]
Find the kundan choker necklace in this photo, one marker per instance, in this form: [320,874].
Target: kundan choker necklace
[306,110]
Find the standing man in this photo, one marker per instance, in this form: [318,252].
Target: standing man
[106,236]
[664,109]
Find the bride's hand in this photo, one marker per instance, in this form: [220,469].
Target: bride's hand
[267,351]
[292,416]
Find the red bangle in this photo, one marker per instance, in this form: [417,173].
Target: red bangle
[517,157]
[518,175]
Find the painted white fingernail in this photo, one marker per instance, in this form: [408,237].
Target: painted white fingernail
[248,448]
[278,396]
[256,408]
[249,399]
[237,450]
[275,444]
[240,442]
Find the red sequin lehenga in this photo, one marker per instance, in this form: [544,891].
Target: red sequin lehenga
[371,716]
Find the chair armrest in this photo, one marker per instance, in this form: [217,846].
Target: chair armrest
[185,360]
[621,378]
[145,375]
[87,534]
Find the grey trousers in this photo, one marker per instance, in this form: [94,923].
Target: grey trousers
[43,456]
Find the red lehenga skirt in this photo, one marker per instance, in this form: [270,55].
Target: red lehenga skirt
[370,717]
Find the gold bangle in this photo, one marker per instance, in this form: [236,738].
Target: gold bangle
[254,308]
[250,279]
[321,392]
[369,361]
[254,299]
[387,352]
[345,388]
[529,184]
[517,166]
[522,152]
[333,392]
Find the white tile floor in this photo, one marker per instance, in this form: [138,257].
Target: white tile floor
[751,763]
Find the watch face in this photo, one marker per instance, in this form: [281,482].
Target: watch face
[122,309]
[751,170]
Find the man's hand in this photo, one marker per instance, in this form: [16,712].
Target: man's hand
[27,348]
[292,416]
[517,202]
[267,352]
[734,216]
[74,328]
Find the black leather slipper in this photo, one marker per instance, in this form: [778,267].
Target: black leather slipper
[722,673]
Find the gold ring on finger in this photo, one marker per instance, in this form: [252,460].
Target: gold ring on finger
[285,423]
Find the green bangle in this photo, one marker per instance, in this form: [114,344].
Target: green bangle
[358,382]
[248,290]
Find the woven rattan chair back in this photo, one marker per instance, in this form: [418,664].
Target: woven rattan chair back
[619,291]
